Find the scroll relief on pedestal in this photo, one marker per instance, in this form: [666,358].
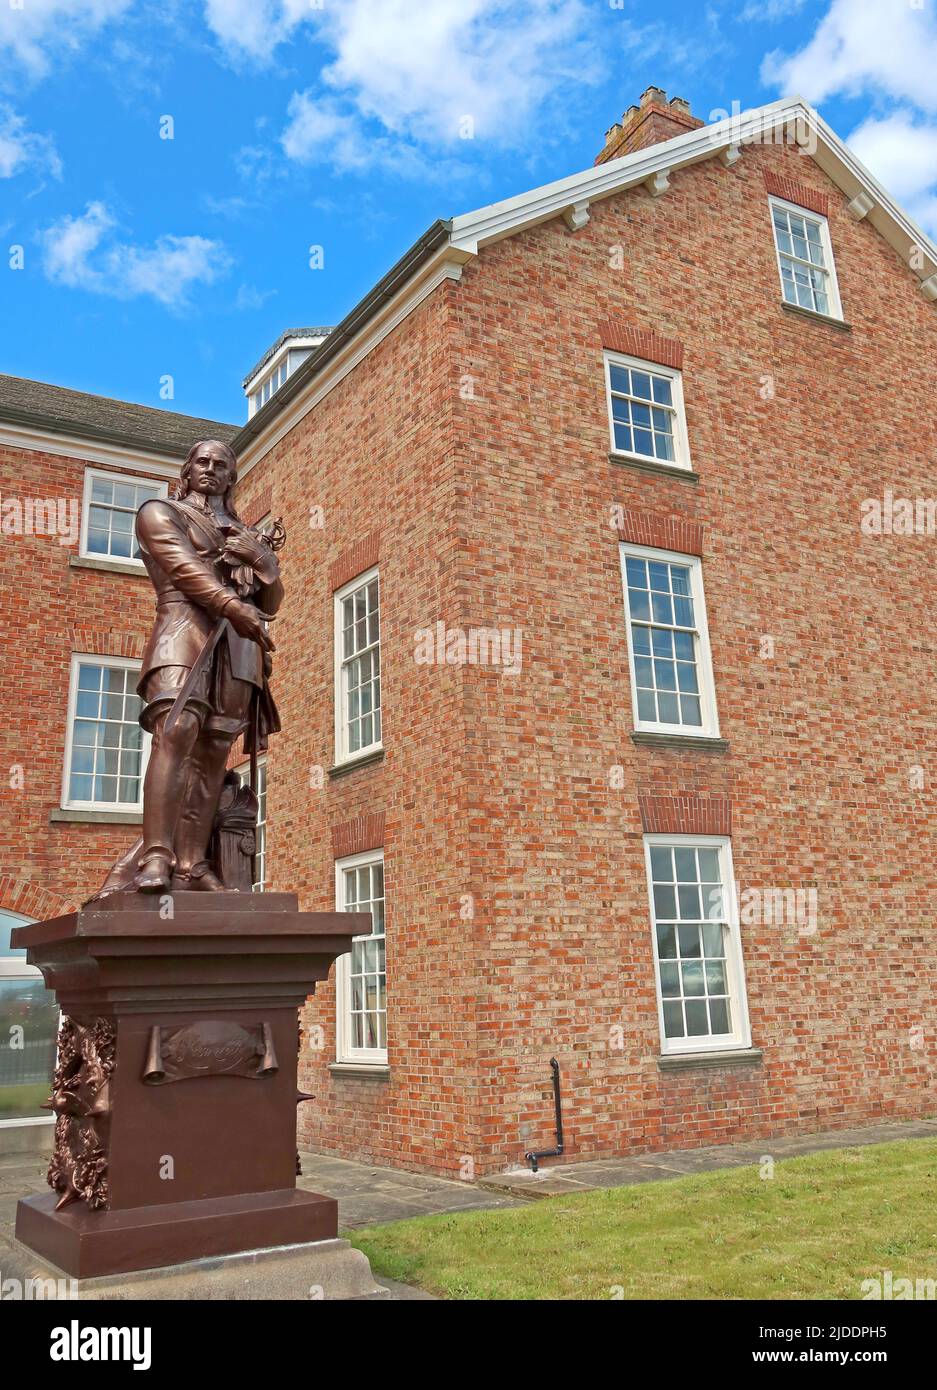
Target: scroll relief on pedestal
[81,1103]
[204,682]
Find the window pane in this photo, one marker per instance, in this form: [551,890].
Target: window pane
[360,631]
[26,1070]
[105,764]
[366,999]
[661,864]
[668,605]
[693,975]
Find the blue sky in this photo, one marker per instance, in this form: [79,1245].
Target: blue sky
[352,125]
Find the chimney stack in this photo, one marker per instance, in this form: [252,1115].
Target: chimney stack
[654,120]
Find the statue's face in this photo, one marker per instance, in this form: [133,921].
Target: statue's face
[210,472]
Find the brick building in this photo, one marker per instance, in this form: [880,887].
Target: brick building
[607,658]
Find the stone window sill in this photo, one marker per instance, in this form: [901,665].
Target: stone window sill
[375,756]
[644,739]
[367,1071]
[799,310]
[62,813]
[742,1056]
[665,470]
[87,562]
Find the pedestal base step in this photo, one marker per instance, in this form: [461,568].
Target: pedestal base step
[88,1244]
[324,1269]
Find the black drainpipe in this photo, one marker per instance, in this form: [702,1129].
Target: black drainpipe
[534,1158]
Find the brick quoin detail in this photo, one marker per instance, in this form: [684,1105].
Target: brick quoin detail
[30,899]
[799,193]
[259,507]
[686,815]
[98,642]
[356,836]
[641,342]
[661,532]
[355,560]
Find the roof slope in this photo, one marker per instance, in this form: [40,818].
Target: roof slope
[62,411]
[460,239]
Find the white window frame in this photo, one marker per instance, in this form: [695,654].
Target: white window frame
[741,1037]
[681,463]
[120,663]
[17,968]
[243,771]
[836,306]
[342,755]
[704,662]
[134,479]
[344,1051]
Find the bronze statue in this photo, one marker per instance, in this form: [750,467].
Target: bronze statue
[205,669]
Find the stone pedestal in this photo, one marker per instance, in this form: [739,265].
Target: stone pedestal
[175,1090]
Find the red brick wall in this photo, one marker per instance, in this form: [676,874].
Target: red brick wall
[48,610]
[375,462]
[792,424]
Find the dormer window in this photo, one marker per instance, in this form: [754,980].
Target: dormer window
[288,352]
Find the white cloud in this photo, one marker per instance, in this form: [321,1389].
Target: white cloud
[492,60]
[22,149]
[323,131]
[887,46]
[886,51]
[83,253]
[901,151]
[32,32]
[250,297]
[403,79]
[770,11]
[250,30]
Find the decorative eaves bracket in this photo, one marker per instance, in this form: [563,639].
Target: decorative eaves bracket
[860,206]
[576,215]
[730,155]
[658,183]
[929,287]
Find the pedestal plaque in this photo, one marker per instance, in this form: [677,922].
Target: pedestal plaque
[175,1091]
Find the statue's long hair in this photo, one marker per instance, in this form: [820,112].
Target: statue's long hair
[182,488]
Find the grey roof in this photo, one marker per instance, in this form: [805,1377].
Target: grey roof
[284,337]
[62,411]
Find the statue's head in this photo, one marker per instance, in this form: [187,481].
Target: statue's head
[210,468]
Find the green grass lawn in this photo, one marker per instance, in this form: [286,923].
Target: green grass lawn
[816,1229]
[19,1101]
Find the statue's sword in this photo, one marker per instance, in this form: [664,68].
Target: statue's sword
[191,680]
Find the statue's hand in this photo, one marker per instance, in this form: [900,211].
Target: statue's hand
[243,548]
[247,622]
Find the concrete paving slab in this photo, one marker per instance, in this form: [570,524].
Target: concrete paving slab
[562,1179]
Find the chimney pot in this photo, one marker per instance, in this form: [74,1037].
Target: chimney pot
[653,94]
[656,119]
